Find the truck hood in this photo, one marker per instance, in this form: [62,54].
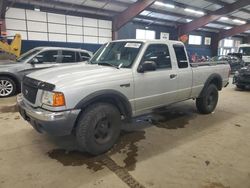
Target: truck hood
[82,74]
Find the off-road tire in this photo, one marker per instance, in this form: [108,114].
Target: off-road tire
[91,123]
[208,102]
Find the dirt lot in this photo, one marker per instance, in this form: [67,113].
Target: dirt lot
[177,148]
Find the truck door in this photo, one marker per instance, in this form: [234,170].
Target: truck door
[184,74]
[155,88]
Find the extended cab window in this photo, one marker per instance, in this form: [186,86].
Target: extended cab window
[68,56]
[181,56]
[158,53]
[47,57]
[84,56]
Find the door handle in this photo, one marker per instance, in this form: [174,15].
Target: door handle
[125,85]
[172,76]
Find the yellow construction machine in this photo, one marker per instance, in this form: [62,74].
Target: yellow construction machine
[12,50]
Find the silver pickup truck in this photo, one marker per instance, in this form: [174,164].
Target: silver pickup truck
[124,79]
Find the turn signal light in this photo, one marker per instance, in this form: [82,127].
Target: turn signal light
[58,99]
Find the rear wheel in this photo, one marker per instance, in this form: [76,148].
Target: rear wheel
[208,102]
[7,87]
[98,128]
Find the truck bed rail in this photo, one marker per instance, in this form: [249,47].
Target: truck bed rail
[208,63]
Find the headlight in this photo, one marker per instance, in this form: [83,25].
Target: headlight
[54,99]
[236,73]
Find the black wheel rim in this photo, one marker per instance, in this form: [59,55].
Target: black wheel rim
[103,131]
[211,100]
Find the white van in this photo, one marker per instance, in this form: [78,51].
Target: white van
[245,50]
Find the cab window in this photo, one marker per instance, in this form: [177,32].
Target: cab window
[181,56]
[158,53]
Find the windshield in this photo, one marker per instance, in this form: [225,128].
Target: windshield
[27,55]
[245,51]
[117,54]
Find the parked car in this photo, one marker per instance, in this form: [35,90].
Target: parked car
[242,78]
[123,80]
[234,59]
[244,49]
[11,73]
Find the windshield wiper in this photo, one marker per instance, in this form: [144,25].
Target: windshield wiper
[109,64]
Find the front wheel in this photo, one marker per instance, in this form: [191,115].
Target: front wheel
[7,87]
[98,128]
[208,102]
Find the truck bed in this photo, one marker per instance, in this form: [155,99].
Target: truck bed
[202,71]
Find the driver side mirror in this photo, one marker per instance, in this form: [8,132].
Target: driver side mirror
[147,66]
[34,61]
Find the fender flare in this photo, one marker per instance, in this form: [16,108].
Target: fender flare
[115,97]
[213,78]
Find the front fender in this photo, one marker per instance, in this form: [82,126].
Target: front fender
[215,79]
[121,101]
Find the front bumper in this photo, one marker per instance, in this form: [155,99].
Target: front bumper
[54,123]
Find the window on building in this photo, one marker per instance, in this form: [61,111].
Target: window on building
[237,43]
[145,34]
[194,39]
[228,43]
[221,43]
[46,26]
[207,41]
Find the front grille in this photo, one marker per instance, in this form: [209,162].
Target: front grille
[30,88]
